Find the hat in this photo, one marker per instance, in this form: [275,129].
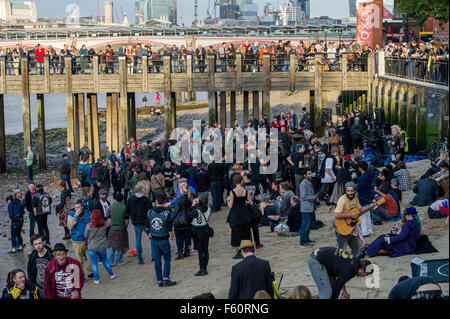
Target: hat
[410,211]
[59,247]
[244,244]
[350,184]
[103,192]
[17,191]
[182,180]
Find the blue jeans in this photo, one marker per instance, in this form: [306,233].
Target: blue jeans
[306,227]
[97,255]
[32,223]
[66,178]
[112,254]
[216,194]
[16,234]
[183,240]
[30,172]
[138,229]
[161,247]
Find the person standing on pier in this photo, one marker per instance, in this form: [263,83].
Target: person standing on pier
[64,171]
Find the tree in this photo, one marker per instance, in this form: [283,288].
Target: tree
[421,10]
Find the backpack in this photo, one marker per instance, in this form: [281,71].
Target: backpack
[94,172]
[82,175]
[44,207]
[61,168]
[181,221]
[34,159]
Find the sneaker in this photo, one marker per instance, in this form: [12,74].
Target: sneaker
[307,245]
[179,256]
[237,256]
[160,284]
[96,282]
[186,254]
[113,277]
[12,252]
[312,242]
[167,283]
[91,276]
[121,263]
[140,262]
[193,252]
[259,245]
[201,272]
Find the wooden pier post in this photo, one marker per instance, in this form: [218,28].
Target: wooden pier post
[2,135]
[316,116]
[267,87]
[81,119]
[69,102]
[132,114]
[443,116]
[114,123]
[167,97]
[124,133]
[212,95]
[173,110]
[223,109]
[232,108]
[411,112]
[245,116]
[109,122]
[41,130]
[95,133]
[26,111]
[256,105]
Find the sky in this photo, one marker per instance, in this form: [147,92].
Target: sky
[57,8]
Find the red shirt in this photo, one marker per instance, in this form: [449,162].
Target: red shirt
[390,205]
[39,55]
[110,55]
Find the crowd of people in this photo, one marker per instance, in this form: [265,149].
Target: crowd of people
[225,56]
[167,199]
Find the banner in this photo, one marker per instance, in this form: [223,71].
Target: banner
[368,25]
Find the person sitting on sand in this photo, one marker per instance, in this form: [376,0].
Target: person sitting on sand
[427,190]
[416,288]
[402,244]
[301,292]
[293,222]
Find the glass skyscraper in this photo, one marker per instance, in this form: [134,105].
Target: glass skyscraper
[164,10]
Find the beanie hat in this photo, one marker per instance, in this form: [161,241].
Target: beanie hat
[410,211]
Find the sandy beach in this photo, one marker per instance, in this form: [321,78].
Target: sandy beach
[284,254]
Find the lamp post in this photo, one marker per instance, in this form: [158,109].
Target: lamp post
[405,27]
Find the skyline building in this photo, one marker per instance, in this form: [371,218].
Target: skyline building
[352,8]
[25,11]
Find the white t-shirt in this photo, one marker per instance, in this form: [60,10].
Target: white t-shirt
[327,178]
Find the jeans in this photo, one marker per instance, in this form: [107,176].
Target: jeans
[223,62]
[43,227]
[161,247]
[40,67]
[112,254]
[66,178]
[255,231]
[97,255]
[321,278]
[30,172]
[32,219]
[16,234]
[138,229]
[381,213]
[306,227]
[183,240]
[349,240]
[216,194]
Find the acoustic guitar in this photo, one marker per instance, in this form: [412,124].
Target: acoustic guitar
[345,226]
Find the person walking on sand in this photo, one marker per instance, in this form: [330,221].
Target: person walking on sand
[250,275]
[118,235]
[95,234]
[15,214]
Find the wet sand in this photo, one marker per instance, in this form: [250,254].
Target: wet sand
[284,254]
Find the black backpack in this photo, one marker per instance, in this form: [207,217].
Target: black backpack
[82,176]
[34,159]
[181,221]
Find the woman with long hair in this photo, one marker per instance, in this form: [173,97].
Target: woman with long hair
[97,243]
[18,287]
[117,178]
[240,215]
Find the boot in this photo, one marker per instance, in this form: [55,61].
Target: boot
[186,252]
[179,256]
[201,272]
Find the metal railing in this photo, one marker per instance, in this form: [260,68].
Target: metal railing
[418,70]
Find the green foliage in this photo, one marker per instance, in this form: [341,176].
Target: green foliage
[421,10]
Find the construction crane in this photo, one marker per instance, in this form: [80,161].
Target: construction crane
[208,11]
[98,11]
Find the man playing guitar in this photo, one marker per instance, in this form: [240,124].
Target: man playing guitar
[346,214]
